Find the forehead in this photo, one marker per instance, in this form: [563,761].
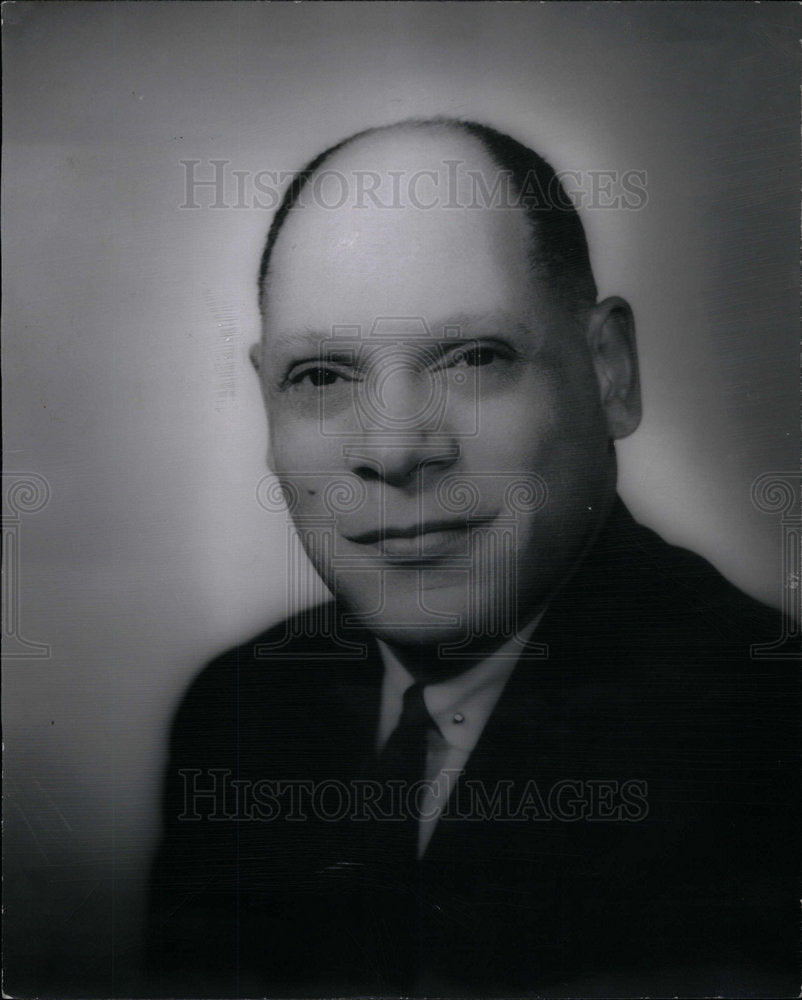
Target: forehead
[425,245]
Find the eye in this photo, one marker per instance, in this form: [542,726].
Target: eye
[473,357]
[317,377]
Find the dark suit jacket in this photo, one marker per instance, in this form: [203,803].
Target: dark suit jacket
[674,873]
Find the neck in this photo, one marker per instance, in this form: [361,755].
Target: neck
[429,664]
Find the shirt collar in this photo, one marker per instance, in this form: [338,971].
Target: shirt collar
[461,705]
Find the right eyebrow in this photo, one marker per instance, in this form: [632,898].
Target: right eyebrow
[293,339]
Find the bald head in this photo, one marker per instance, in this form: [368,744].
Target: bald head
[343,259]
[448,164]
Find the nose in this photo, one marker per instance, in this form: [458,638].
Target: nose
[404,433]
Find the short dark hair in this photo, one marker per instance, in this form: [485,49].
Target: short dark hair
[559,252]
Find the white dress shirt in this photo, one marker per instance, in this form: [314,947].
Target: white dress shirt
[460,707]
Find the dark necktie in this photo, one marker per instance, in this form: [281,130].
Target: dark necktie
[403,762]
[394,932]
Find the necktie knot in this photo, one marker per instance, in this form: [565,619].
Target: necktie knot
[415,714]
[403,759]
[408,740]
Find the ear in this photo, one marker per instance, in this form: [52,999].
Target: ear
[256,356]
[611,338]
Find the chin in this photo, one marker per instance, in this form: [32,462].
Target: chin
[432,608]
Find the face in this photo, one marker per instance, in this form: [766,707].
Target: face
[435,417]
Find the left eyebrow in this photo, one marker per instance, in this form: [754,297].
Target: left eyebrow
[475,325]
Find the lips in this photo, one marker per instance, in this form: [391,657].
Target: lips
[429,540]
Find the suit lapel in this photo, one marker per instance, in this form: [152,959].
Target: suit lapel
[552,721]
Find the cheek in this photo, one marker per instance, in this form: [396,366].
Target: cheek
[310,467]
[547,428]
[514,428]
[297,444]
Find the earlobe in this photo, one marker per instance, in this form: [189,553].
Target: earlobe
[611,338]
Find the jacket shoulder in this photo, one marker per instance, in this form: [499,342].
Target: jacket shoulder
[289,661]
[697,594]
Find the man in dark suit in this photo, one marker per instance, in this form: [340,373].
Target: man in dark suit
[527,749]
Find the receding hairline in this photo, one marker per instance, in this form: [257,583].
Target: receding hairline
[571,269]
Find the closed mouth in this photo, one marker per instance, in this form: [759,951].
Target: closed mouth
[420,542]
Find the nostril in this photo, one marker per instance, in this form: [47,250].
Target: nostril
[399,463]
[367,473]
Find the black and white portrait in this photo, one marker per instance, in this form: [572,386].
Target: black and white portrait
[401,500]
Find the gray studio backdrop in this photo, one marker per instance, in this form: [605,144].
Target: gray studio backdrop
[141,548]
